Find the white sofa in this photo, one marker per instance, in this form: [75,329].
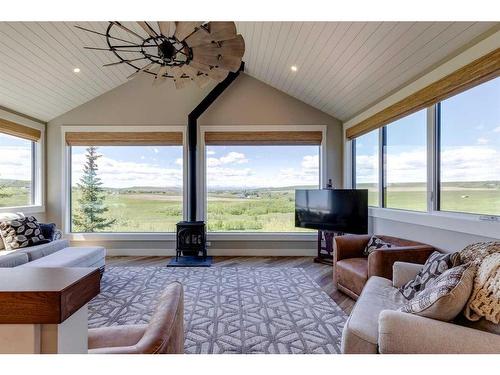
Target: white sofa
[375,325]
[56,253]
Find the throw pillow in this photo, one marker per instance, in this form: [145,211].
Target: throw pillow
[445,296]
[48,230]
[23,232]
[434,266]
[374,244]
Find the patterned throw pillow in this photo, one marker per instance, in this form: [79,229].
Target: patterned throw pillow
[445,296]
[374,244]
[22,232]
[434,266]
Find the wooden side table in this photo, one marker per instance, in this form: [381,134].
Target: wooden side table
[44,310]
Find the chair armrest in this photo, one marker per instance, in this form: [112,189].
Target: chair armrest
[380,261]
[350,246]
[412,334]
[115,336]
[402,272]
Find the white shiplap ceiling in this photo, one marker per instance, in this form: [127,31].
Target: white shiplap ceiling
[342,66]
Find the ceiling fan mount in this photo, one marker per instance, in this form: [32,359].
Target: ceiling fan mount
[184,51]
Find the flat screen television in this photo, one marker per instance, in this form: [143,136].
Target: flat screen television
[336,210]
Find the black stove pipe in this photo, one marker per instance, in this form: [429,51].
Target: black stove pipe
[193,136]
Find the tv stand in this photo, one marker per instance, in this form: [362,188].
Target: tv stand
[325,246]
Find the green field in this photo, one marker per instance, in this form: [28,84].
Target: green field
[15,193]
[145,209]
[470,197]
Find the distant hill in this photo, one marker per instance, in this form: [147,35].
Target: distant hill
[14,183]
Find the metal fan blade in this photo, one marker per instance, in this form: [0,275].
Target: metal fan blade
[148,29]
[118,24]
[144,68]
[222,30]
[233,47]
[201,80]
[176,72]
[184,29]
[198,38]
[189,71]
[162,71]
[180,83]
[200,67]
[231,63]
[159,80]
[166,27]
[124,61]
[217,74]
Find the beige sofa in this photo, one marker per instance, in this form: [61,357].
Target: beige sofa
[375,325]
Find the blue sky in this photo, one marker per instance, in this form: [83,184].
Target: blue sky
[470,141]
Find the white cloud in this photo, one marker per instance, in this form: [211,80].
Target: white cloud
[497,129]
[15,163]
[121,174]
[156,150]
[482,141]
[179,161]
[210,152]
[230,158]
[463,163]
[143,157]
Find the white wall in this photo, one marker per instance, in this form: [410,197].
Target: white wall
[445,232]
[247,102]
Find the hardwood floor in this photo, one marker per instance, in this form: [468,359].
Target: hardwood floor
[321,273]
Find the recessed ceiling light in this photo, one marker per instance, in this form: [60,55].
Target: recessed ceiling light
[76,70]
[294,68]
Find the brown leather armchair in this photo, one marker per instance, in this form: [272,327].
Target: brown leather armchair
[163,335]
[352,268]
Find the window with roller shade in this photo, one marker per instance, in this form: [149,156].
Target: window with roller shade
[19,182]
[470,151]
[134,185]
[251,179]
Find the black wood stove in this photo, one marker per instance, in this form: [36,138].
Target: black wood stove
[191,239]
[191,247]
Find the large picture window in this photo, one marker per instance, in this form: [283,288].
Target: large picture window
[406,163]
[126,188]
[366,161]
[252,188]
[470,150]
[16,171]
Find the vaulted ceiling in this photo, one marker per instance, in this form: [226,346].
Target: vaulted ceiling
[342,67]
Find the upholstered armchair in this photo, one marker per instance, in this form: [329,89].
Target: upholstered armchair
[352,268]
[164,334]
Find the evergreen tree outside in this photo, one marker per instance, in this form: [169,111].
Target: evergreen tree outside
[90,216]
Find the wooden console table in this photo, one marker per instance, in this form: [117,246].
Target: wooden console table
[44,310]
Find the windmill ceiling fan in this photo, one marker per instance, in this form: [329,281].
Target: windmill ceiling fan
[183,51]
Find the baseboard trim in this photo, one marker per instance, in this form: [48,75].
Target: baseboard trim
[213,252]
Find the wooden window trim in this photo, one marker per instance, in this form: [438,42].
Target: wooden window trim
[244,138]
[124,138]
[479,71]
[20,131]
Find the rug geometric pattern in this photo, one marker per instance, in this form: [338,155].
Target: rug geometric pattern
[228,309]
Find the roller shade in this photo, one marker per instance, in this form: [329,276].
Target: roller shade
[124,138]
[18,130]
[473,74]
[264,138]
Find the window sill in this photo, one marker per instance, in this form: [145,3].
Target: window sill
[237,236]
[457,222]
[24,209]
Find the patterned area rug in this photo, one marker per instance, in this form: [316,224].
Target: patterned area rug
[228,309]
